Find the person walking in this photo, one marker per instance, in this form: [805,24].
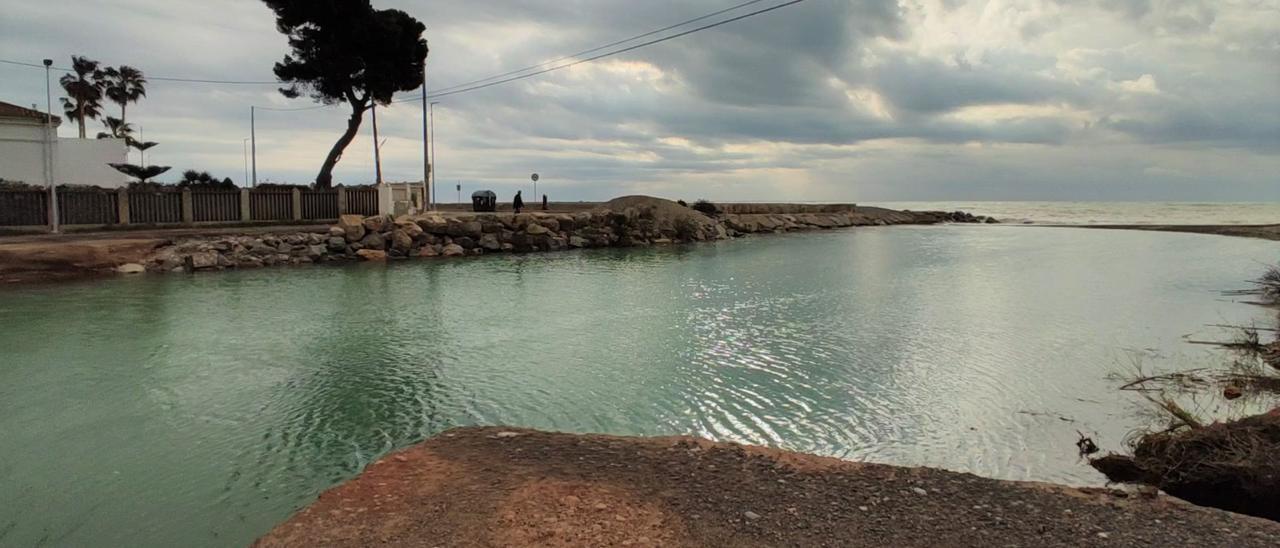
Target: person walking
[518,203]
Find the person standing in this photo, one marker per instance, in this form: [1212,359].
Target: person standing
[518,203]
[544,202]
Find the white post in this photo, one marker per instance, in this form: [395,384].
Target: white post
[426,143]
[49,136]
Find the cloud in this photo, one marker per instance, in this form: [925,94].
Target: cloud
[845,100]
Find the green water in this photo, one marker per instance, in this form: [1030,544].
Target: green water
[201,410]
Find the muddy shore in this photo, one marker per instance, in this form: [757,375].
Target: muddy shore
[512,487]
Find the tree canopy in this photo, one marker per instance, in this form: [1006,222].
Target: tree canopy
[345,51]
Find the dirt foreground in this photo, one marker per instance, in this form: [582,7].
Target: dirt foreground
[511,487]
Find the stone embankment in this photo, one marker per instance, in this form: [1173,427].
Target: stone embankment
[625,222]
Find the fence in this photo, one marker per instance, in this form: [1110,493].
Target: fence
[212,206]
[271,205]
[155,207]
[30,208]
[24,207]
[319,204]
[362,201]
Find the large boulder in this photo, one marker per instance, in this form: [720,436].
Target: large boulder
[465,241]
[373,240]
[490,242]
[372,255]
[535,229]
[401,242]
[409,227]
[352,227]
[377,223]
[453,250]
[337,245]
[433,224]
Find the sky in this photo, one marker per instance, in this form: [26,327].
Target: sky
[824,100]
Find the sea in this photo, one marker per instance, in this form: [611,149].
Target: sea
[1106,213]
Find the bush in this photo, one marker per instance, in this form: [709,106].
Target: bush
[683,203]
[706,208]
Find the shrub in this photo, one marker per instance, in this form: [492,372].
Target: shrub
[706,207]
[683,203]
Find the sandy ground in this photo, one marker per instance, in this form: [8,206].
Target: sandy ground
[510,487]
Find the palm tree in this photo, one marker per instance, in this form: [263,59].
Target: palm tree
[84,91]
[124,85]
[116,129]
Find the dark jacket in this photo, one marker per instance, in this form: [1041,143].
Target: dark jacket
[518,202]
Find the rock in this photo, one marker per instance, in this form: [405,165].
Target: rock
[411,228]
[465,242]
[433,224]
[401,241]
[131,268]
[372,255]
[535,229]
[578,241]
[472,229]
[919,491]
[374,240]
[376,223]
[352,227]
[315,251]
[428,251]
[203,260]
[1232,393]
[453,250]
[490,242]
[337,245]
[751,515]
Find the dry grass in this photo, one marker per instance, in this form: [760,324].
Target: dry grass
[1203,453]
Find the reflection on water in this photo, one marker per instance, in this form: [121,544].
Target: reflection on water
[201,410]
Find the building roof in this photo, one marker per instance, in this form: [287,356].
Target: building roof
[10,110]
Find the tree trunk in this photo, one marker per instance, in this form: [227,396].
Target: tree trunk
[325,178]
[80,112]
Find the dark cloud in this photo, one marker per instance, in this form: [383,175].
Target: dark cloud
[815,91]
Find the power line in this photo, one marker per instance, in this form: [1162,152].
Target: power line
[606,54]
[598,48]
[509,76]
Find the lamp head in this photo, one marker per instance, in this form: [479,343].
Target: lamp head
[48,62]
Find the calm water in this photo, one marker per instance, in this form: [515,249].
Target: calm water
[176,410]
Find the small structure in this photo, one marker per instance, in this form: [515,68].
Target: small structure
[75,161]
[484,201]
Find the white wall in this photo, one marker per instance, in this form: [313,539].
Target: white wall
[76,161]
[84,162]
[22,152]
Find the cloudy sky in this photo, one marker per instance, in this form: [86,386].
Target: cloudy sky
[861,100]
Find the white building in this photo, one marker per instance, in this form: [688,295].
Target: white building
[76,161]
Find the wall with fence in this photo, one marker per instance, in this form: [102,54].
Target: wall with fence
[104,208]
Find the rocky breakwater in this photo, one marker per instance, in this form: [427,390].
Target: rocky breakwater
[624,222]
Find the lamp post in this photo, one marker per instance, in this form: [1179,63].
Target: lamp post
[246,161]
[434,167]
[48,148]
[253,139]
[428,188]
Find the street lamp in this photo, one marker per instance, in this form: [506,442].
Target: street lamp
[434,168]
[48,148]
[246,161]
